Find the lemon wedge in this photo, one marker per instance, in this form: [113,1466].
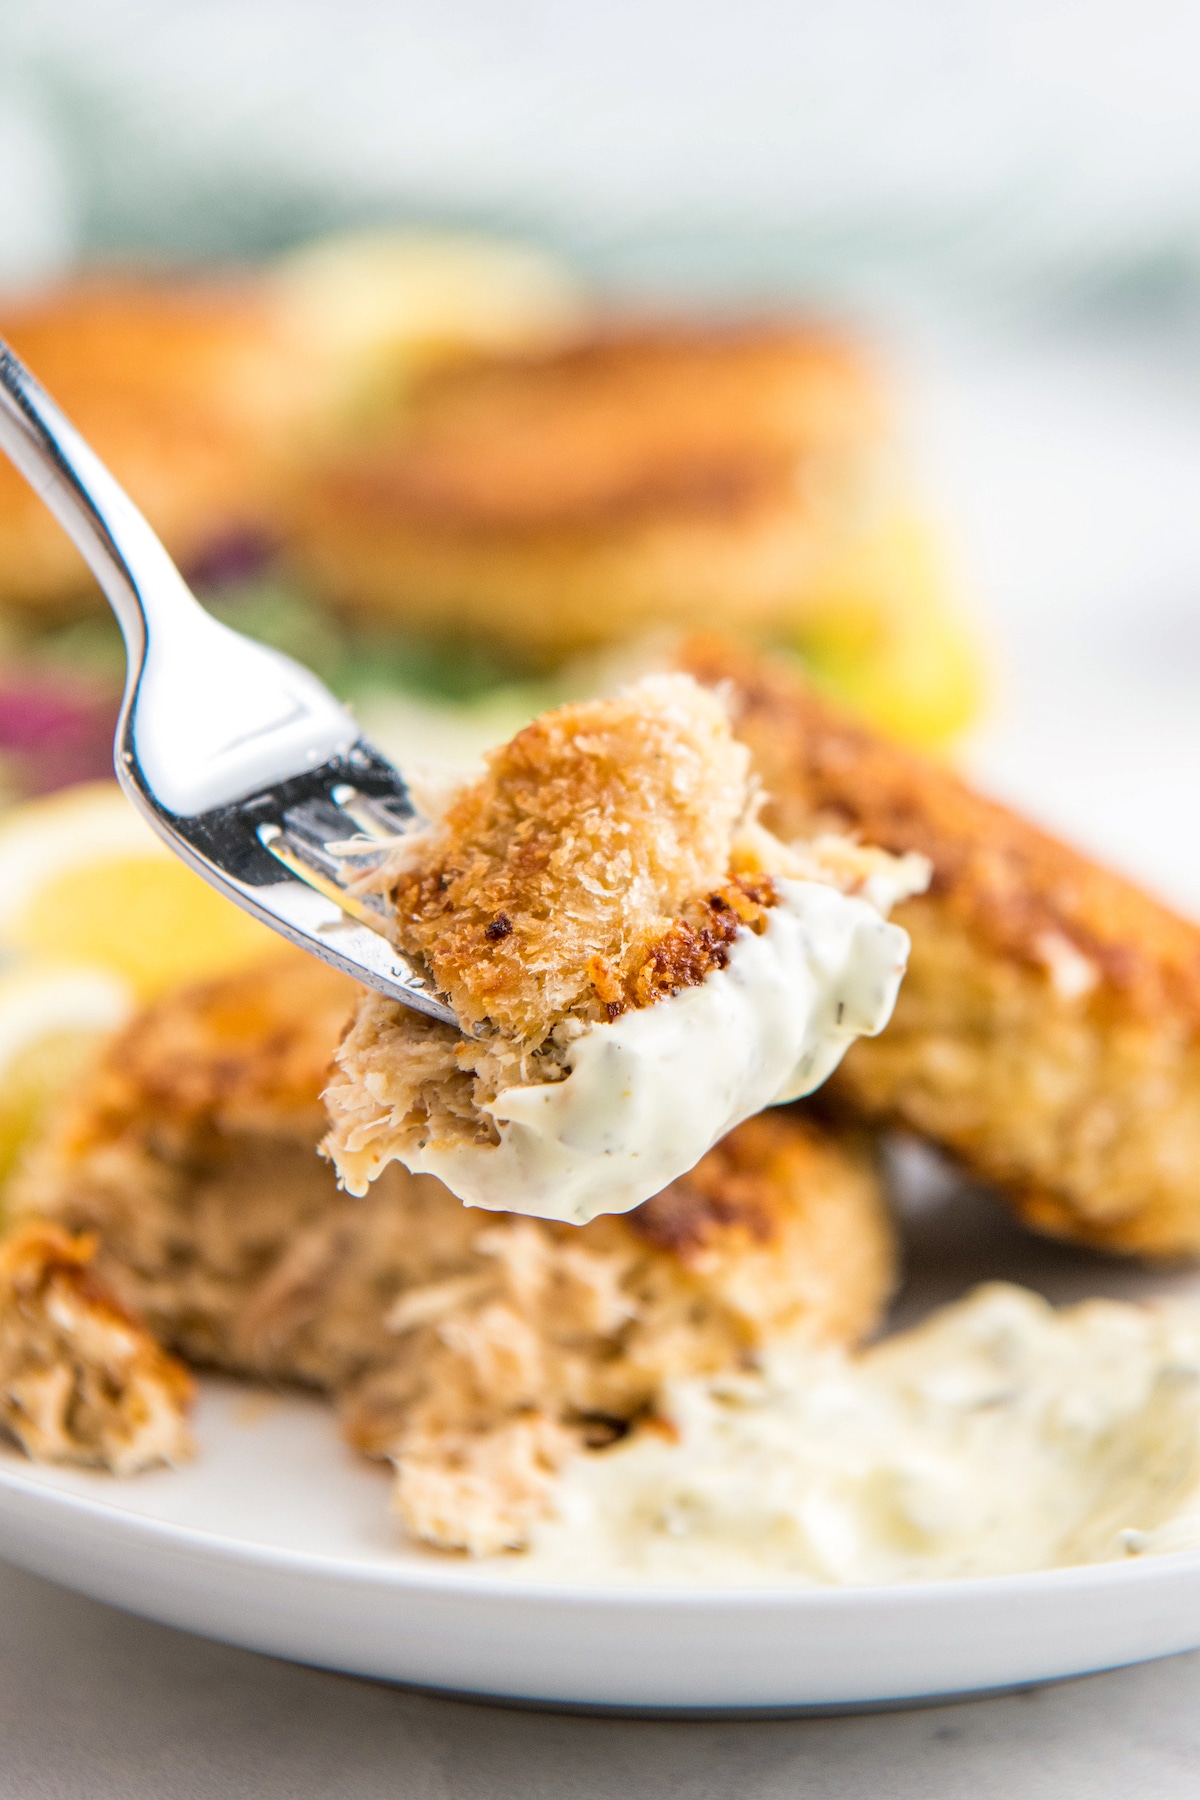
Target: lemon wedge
[882,631]
[52,1020]
[84,880]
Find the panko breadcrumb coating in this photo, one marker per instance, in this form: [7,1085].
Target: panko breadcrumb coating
[191,390]
[645,475]
[1048,1030]
[550,889]
[547,880]
[81,1381]
[474,1350]
[607,861]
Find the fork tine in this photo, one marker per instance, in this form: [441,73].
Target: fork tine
[374,818]
[300,860]
[312,854]
[313,829]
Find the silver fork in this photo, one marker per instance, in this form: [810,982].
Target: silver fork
[239,758]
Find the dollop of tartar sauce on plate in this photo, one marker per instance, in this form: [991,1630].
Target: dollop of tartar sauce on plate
[650,1093]
[998,1436]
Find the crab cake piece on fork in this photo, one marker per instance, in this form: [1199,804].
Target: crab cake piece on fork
[636,964]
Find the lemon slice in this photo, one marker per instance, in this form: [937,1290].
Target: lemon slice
[883,631]
[52,1020]
[84,880]
[388,302]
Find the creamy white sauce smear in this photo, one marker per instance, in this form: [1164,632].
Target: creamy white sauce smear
[650,1093]
[1000,1436]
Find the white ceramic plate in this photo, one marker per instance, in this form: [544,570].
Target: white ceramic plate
[1074,495]
[279,1539]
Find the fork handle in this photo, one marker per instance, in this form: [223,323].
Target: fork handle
[116,542]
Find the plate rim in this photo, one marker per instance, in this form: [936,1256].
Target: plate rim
[962,1590]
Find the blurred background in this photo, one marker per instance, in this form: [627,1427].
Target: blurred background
[399,322]
[1042,153]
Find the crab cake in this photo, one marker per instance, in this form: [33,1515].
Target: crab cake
[190,1149]
[669,475]
[474,1350]
[1048,1029]
[637,966]
[504,1342]
[80,1380]
[190,390]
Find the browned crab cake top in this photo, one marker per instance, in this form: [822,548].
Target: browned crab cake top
[241,1053]
[555,881]
[644,420]
[1048,1029]
[1026,892]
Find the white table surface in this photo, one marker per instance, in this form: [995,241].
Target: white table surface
[96,1705]
[1071,478]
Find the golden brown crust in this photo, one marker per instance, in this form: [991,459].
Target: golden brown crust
[1046,1031]
[1018,887]
[605,860]
[639,476]
[689,419]
[232,1055]
[555,874]
[692,946]
[730,1191]
[188,389]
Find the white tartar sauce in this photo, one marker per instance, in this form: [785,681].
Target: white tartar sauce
[998,1436]
[650,1093]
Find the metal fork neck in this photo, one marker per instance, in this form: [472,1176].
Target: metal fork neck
[208,716]
[114,540]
